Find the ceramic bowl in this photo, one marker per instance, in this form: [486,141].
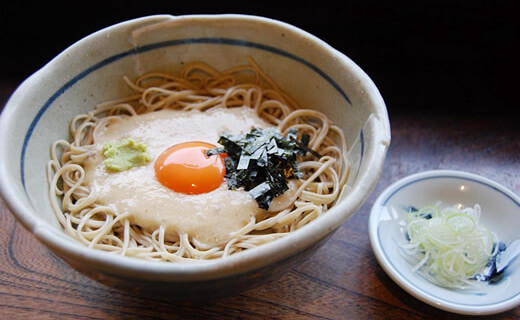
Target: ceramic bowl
[500,214]
[91,71]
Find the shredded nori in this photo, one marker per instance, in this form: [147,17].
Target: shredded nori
[262,160]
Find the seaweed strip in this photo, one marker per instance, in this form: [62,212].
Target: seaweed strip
[262,160]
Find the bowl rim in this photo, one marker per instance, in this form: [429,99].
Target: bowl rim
[409,286]
[234,264]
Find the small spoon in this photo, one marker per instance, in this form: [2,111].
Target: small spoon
[498,263]
[506,257]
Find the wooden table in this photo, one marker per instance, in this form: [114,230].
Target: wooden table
[341,281]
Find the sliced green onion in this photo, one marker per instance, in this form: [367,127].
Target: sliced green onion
[448,245]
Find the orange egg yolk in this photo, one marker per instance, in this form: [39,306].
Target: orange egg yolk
[186,168]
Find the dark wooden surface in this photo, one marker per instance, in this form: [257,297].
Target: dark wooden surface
[341,281]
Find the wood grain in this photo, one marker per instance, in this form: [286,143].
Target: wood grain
[341,281]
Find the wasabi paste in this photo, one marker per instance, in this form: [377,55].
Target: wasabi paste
[124,155]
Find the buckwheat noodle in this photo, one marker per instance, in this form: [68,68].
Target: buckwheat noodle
[198,86]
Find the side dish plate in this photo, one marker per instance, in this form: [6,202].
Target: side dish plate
[500,213]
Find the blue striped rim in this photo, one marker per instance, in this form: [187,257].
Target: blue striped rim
[385,202]
[158,45]
[362,150]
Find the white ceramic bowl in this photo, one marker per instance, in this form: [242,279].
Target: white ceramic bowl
[500,213]
[90,71]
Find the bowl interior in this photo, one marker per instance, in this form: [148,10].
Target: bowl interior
[500,213]
[91,71]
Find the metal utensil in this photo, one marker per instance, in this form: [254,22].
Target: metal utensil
[506,257]
[498,263]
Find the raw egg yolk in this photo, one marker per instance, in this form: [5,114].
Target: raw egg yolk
[186,168]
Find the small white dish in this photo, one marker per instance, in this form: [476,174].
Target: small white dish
[500,213]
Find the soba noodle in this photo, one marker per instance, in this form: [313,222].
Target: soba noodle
[200,87]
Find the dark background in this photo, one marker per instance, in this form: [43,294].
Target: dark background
[456,57]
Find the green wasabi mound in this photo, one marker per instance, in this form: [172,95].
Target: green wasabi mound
[124,155]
